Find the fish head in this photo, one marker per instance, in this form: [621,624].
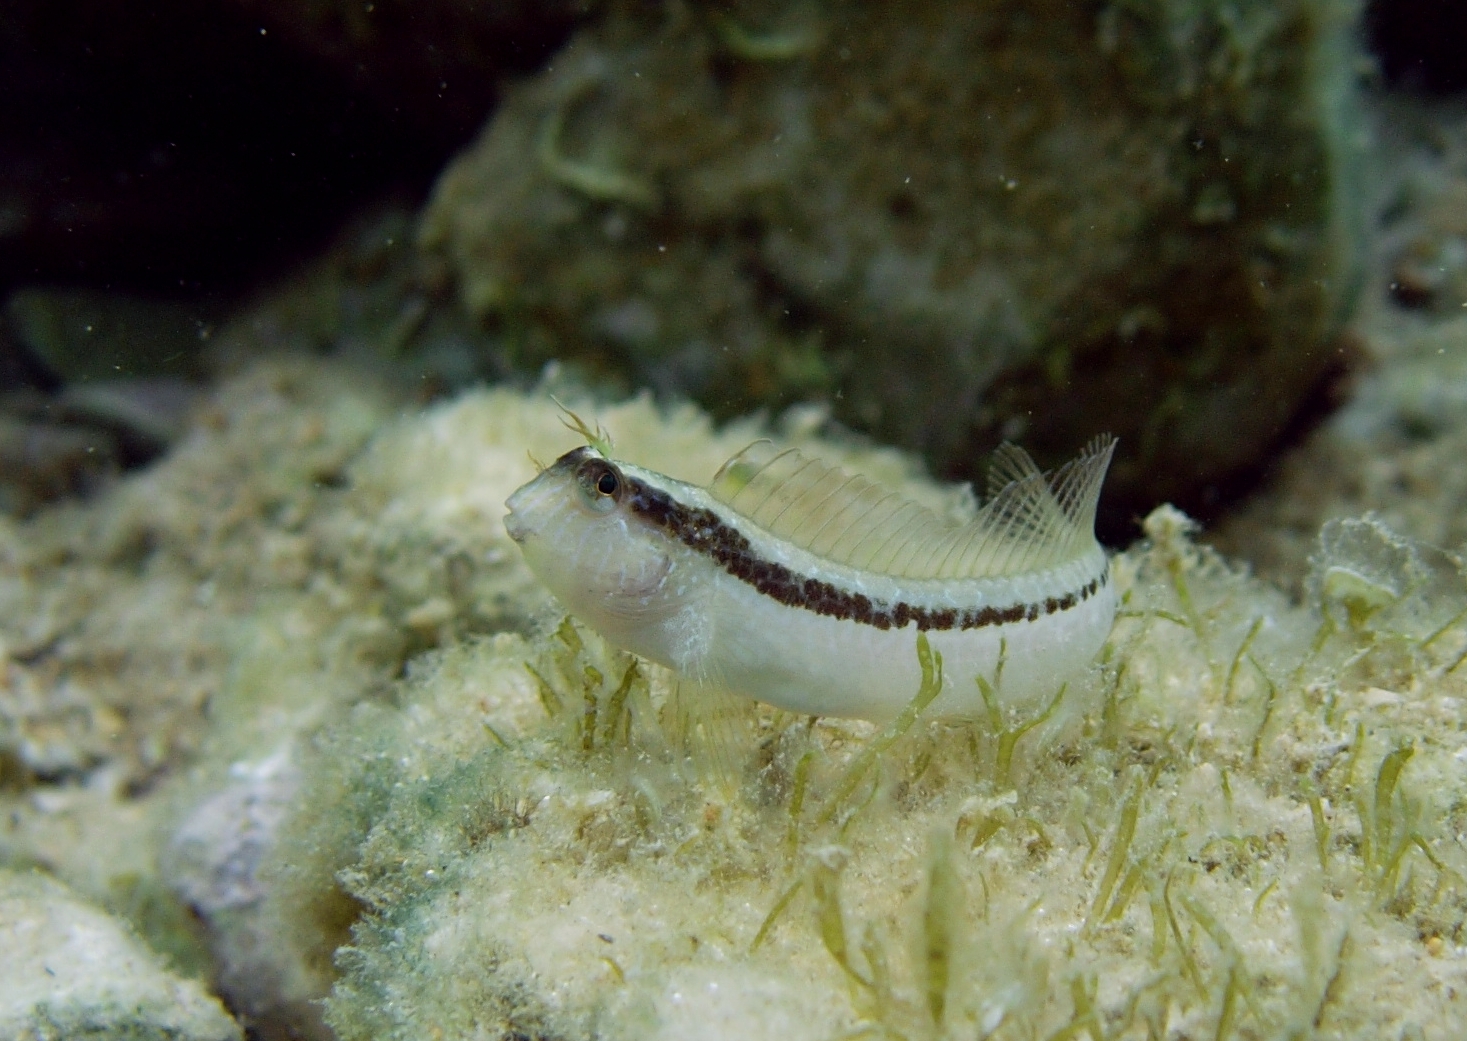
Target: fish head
[575,528]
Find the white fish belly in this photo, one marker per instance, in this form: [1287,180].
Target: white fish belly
[805,662]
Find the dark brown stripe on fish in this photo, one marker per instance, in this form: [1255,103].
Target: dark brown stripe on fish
[704,532]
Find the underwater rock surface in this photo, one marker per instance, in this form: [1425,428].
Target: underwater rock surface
[963,221]
[400,781]
[1396,447]
[1219,832]
[69,970]
[1395,451]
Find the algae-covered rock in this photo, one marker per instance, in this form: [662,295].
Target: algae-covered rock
[369,297]
[1394,451]
[1423,243]
[411,787]
[69,970]
[958,221]
[1246,822]
[92,679]
[1395,448]
[303,543]
[420,533]
[180,622]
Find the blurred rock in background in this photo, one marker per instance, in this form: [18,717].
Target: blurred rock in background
[955,223]
[960,222]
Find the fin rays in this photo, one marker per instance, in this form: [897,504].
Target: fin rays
[1031,521]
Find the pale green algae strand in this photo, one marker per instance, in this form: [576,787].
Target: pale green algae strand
[1246,820]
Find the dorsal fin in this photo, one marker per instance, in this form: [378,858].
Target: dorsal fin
[1031,521]
[1009,463]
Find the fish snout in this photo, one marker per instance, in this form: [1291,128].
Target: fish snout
[517,521]
[516,526]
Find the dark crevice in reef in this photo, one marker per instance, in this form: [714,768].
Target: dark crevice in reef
[1419,43]
[177,148]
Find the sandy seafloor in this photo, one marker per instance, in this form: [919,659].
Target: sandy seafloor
[289,720]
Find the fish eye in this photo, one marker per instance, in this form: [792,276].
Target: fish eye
[600,483]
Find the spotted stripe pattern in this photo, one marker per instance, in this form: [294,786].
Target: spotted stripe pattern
[704,532]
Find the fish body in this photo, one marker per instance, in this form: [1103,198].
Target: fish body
[796,583]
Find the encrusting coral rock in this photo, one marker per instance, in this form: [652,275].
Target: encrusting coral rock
[420,793]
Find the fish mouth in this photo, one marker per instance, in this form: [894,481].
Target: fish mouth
[517,521]
[530,507]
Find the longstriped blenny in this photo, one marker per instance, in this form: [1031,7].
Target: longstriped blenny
[791,581]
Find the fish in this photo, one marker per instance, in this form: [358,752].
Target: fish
[791,581]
